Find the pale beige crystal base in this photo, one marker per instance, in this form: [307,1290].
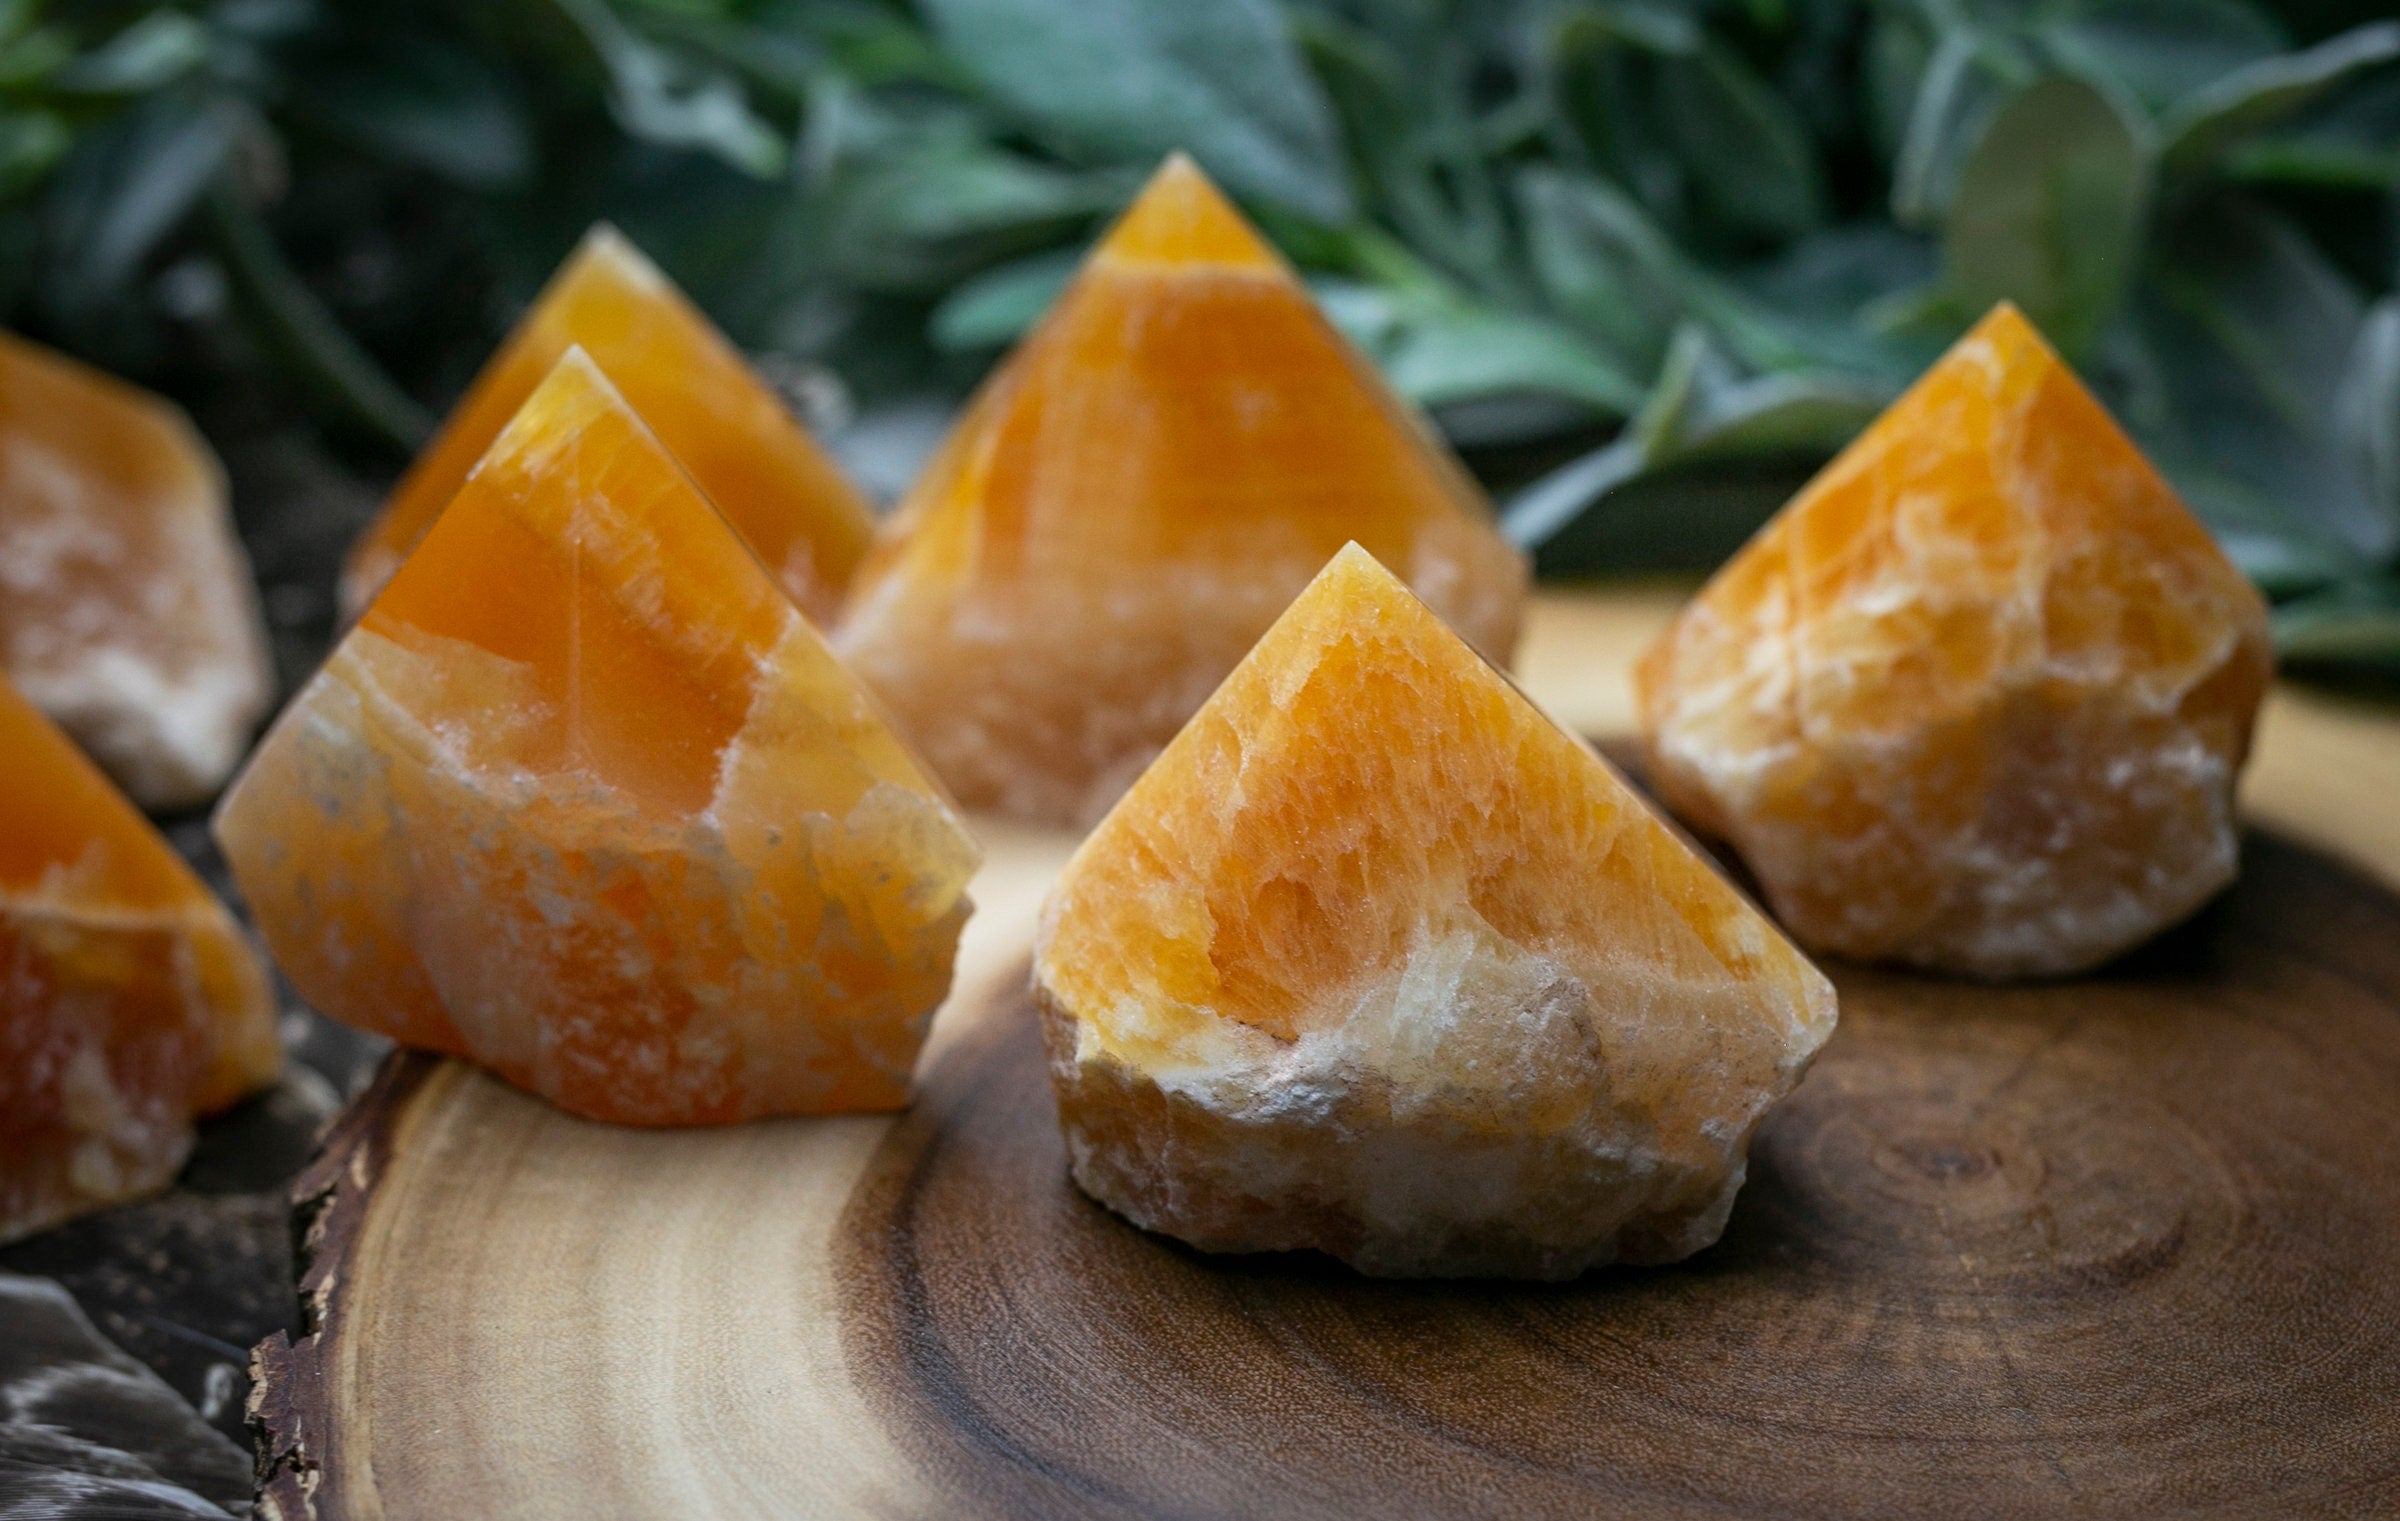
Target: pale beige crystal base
[1302,1150]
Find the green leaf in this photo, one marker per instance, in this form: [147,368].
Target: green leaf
[1703,407]
[1752,161]
[1797,415]
[1367,90]
[2050,211]
[437,107]
[1608,512]
[128,184]
[1550,510]
[153,52]
[2159,50]
[1703,421]
[783,62]
[665,99]
[1606,266]
[329,368]
[1840,271]
[1002,304]
[1131,81]
[1603,98]
[1957,96]
[1439,354]
[2355,625]
[1653,88]
[2280,563]
[933,207]
[2237,412]
[2253,332]
[2350,141]
[1898,51]
[31,143]
[1602,263]
[2196,129]
[32,56]
[870,45]
[2367,419]
[2279,314]
[2261,532]
[705,10]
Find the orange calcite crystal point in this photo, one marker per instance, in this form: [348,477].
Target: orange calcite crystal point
[129,1000]
[1130,501]
[126,609]
[1376,959]
[748,453]
[1976,699]
[584,798]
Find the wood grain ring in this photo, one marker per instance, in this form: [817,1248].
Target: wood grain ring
[2124,1246]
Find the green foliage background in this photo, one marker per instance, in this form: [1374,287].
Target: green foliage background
[1647,262]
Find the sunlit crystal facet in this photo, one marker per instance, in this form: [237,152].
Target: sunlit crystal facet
[1977,698]
[750,456]
[126,607]
[1133,497]
[584,797]
[1377,960]
[130,1002]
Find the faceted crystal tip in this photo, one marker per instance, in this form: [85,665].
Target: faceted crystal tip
[1182,219]
[1977,698]
[1372,915]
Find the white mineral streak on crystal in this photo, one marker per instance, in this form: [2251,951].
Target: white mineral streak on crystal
[1050,754]
[1460,1114]
[444,824]
[2078,746]
[141,638]
[168,736]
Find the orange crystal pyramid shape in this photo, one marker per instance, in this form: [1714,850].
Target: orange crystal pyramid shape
[584,798]
[1133,497]
[129,999]
[740,443]
[1976,699]
[1378,960]
[126,609]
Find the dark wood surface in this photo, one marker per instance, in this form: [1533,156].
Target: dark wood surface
[2124,1246]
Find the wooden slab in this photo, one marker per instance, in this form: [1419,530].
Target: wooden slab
[2122,1246]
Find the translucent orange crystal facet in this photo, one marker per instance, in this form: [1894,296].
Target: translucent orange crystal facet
[740,443]
[126,609]
[1132,499]
[1976,699]
[1378,960]
[584,798]
[129,1000]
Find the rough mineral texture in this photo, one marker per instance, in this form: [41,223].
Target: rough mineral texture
[1378,960]
[129,1000]
[750,456]
[126,608]
[1134,496]
[1976,699]
[584,797]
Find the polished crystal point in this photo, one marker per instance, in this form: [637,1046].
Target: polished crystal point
[583,797]
[1977,698]
[127,612]
[1133,497]
[1377,960]
[130,1002]
[722,423]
